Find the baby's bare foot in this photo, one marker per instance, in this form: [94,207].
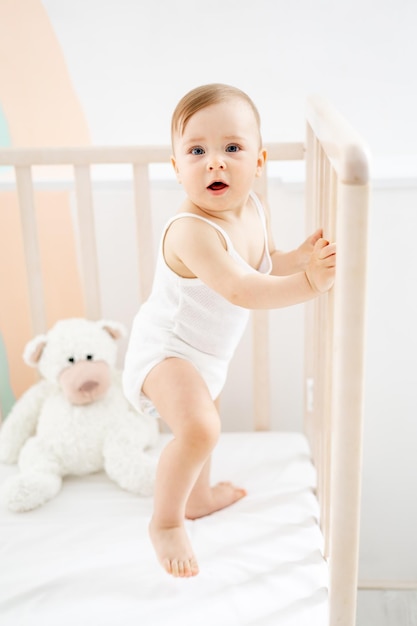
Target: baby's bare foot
[218,497]
[173,550]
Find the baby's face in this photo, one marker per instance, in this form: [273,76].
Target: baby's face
[218,155]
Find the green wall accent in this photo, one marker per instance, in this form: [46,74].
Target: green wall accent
[5,139]
[7,398]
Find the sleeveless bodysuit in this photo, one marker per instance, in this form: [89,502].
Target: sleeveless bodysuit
[184,318]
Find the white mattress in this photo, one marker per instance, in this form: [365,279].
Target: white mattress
[84,558]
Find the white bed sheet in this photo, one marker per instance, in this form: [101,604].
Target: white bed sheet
[84,559]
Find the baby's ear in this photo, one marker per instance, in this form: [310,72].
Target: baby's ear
[33,350]
[116,330]
[176,170]
[263,155]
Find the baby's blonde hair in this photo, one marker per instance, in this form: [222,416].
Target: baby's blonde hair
[202,97]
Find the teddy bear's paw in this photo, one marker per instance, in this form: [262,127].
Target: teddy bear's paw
[134,475]
[142,483]
[28,491]
[8,452]
[146,484]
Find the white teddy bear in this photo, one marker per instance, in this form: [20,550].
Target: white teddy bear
[76,420]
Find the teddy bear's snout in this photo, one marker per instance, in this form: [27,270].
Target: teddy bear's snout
[88,386]
[85,382]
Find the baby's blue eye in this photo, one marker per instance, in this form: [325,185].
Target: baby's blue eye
[232,148]
[197,150]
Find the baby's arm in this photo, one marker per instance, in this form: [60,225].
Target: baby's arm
[22,421]
[279,291]
[200,251]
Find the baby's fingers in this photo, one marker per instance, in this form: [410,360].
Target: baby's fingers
[316,236]
[324,249]
[329,250]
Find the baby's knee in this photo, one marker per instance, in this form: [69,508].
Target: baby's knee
[203,434]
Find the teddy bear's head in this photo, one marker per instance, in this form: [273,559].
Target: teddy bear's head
[78,355]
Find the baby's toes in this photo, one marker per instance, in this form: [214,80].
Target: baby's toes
[190,568]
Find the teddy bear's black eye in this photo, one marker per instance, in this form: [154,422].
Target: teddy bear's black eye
[71,359]
[89,357]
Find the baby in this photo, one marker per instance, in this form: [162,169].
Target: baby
[217,260]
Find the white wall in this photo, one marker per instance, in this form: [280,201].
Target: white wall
[389,512]
[131,60]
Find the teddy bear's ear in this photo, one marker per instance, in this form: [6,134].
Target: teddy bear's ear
[115,329]
[33,350]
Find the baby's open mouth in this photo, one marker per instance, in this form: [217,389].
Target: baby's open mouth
[217,185]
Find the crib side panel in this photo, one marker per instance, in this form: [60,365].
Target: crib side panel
[31,175]
[337,198]
[78,179]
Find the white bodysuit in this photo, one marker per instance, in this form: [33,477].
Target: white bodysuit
[184,318]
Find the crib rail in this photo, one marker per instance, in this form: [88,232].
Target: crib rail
[337,197]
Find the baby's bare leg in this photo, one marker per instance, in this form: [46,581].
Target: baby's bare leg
[182,399]
[205,499]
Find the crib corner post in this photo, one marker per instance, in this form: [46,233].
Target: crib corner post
[347,405]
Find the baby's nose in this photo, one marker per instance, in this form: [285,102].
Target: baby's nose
[216,164]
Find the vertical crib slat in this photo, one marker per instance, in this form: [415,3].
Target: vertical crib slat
[327,331]
[142,201]
[260,349]
[314,323]
[31,248]
[87,239]
[347,405]
[310,222]
[326,338]
[321,313]
[261,376]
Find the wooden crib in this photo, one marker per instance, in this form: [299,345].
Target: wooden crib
[337,198]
